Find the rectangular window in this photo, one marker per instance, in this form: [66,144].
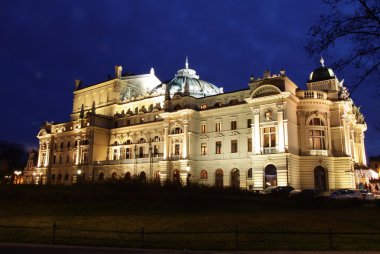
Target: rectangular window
[68,144]
[142,120]
[141,152]
[203,149]
[269,137]
[176,149]
[84,157]
[114,154]
[233,125]
[54,158]
[128,122]
[234,146]
[61,144]
[203,128]
[218,127]
[249,122]
[67,158]
[155,150]
[60,159]
[127,153]
[317,139]
[249,144]
[218,147]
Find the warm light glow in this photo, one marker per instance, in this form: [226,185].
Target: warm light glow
[79,171]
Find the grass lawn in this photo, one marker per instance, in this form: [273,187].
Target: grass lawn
[120,208]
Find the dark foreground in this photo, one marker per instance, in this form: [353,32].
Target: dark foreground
[196,218]
[9,248]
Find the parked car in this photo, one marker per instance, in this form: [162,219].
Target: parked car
[367,195]
[346,194]
[282,191]
[303,194]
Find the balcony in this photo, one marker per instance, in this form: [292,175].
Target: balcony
[268,150]
[312,94]
[318,152]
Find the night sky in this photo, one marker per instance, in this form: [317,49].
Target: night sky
[46,45]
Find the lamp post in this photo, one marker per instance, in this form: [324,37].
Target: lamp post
[17,179]
[79,172]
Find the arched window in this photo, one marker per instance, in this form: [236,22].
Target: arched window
[142,177]
[101,177]
[218,104]
[59,177]
[53,177]
[317,134]
[142,140]
[235,178]
[114,176]
[249,173]
[219,178]
[270,178]
[204,175]
[66,177]
[128,177]
[234,102]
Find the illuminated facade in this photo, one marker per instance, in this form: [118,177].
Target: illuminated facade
[188,130]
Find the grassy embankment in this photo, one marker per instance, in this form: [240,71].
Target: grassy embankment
[122,207]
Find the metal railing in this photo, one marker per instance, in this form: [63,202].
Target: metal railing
[235,238]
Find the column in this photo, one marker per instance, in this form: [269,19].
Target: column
[166,140]
[362,146]
[185,137]
[78,153]
[256,131]
[47,154]
[39,155]
[280,120]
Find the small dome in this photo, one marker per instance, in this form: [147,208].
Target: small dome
[321,73]
[187,82]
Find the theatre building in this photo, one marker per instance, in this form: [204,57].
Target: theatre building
[188,130]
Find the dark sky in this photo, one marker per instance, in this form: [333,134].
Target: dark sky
[46,45]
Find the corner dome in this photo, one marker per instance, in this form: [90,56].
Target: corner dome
[188,83]
[321,73]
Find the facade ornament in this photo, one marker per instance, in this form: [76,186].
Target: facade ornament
[268,115]
[322,61]
[282,72]
[255,110]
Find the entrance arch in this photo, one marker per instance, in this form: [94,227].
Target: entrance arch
[235,178]
[320,179]
[219,178]
[128,177]
[270,178]
[101,176]
[142,177]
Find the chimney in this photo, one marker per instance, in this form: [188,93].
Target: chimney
[118,70]
[78,83]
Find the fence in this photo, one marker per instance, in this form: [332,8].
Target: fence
[234,239]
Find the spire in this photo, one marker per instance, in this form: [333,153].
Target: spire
[322,61]
[187,63]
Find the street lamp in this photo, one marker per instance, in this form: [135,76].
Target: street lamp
[79,172]
[17,179]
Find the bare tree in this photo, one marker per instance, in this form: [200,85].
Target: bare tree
[351,33]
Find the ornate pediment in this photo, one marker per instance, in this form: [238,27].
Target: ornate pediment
[218,135]
[234,133]
[203,137]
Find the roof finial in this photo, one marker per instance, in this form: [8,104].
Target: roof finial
[322,61]
[187,63]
